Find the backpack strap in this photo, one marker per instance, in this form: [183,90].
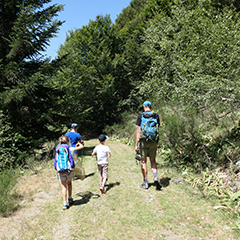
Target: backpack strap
[62,146]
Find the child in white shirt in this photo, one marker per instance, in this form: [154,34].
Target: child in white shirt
[103,153]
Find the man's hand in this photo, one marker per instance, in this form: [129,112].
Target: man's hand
[136,149]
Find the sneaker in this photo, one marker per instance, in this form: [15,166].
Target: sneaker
[144,185]
[102,189]
[70,200]
[157,183]
[65,207]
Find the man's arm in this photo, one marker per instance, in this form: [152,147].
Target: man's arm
[78,146]
[137,138]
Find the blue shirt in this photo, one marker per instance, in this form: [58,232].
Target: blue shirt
[74,138]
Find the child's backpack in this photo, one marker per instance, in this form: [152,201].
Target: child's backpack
[62,159]
[149,126]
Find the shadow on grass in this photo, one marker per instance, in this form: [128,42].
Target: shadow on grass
[86,196]
[165,182]
[87,151]
[111,185]
[89,175]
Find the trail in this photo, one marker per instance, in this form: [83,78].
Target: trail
[124,212]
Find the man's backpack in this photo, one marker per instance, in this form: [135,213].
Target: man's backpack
[149,126]
[62,158]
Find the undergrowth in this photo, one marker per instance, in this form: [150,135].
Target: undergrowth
[8,200]
[207,157]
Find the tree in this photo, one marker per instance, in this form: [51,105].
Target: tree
[26,96]
[93,75]
[194,70]
[131,24]
[195,54]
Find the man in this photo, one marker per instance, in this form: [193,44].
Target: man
[75,146]
[147,146]
[74,136]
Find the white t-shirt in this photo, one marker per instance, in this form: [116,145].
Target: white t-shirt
[102,153]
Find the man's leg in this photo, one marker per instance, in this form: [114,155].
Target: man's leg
[153,165]
[144,173]
[144,168]
[154,170]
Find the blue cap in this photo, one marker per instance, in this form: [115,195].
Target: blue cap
[74,125]
[102,137]
[147,103]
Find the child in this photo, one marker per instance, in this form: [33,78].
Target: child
[103,153]
[64,164]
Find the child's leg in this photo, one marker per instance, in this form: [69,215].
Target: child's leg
[69,188]
[101,179]
[104,174]
[100,173]
[104,181]
[64,190]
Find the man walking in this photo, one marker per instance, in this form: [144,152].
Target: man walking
[74,137]
[146,142]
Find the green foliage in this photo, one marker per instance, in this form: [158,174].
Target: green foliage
[182,134]
[194,55]
[8,179]
[189,141]
[221,184]
[124,130]
[27,98]
[93,75]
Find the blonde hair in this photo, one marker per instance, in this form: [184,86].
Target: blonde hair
[64,140]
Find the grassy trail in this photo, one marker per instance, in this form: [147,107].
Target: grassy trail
[124,212]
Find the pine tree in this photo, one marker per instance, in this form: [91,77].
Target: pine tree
[26,96]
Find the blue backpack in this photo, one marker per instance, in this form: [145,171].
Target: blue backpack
[149,126]
[62,159]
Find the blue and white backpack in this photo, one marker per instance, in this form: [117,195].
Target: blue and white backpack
[149,126]
[62,159]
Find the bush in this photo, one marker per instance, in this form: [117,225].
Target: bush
[8,179]
[125,129]
[11,153]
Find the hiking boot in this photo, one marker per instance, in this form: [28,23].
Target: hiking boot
[157,183]
[70,200]
[144,185]
[102,189]
[65,207]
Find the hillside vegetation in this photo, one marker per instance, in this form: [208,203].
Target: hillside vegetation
[182,55]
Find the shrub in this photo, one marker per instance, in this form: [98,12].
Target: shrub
[8,179]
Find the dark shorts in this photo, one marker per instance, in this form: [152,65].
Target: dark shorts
[147,148]
[103,170]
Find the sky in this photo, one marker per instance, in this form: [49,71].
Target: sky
[78,13]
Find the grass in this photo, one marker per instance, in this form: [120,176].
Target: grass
[8,179]
[124,212]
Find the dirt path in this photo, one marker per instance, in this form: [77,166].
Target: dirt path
[124,212]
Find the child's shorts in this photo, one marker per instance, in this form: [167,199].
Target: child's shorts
[66,176]
[103,170]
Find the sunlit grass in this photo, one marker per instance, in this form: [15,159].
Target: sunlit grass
[125,211]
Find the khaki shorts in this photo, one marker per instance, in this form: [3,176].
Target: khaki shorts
[103,170]
[147,148]
[66,176]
